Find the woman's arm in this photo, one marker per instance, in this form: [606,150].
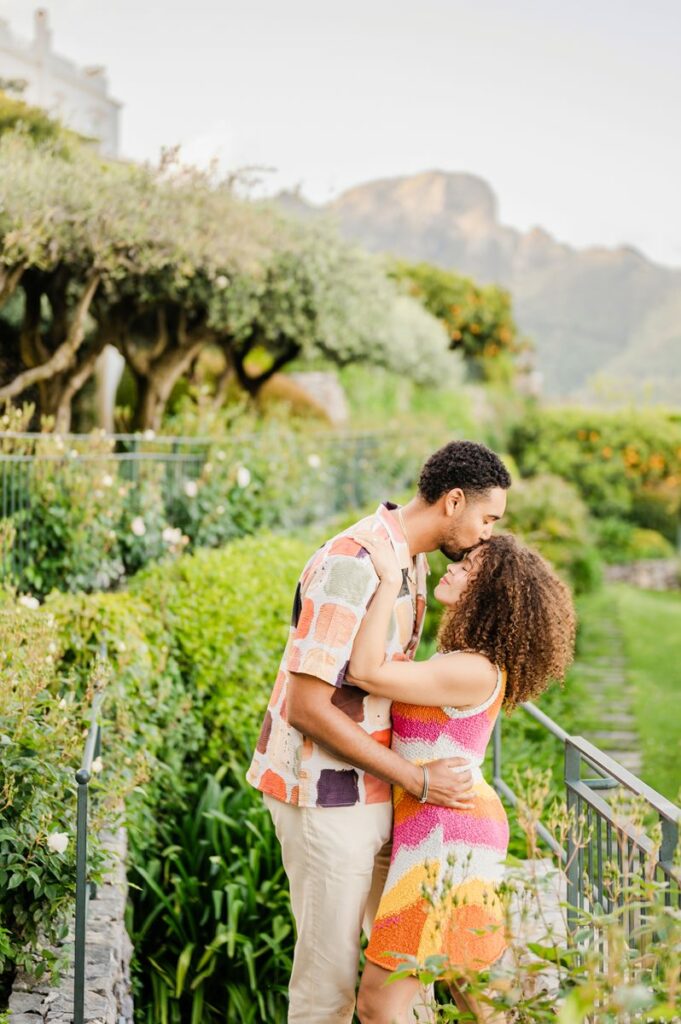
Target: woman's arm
[460,679]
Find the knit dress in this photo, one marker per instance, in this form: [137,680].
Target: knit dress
[446,865]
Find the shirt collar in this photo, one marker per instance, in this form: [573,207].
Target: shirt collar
[394,530]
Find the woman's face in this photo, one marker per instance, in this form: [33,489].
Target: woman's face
[457,577]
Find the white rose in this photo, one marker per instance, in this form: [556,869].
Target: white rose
[97,766]
[243,476]
[28,601]
[57,842]
[314,461]
[138,526]
[107,480]
[149,435]
[191,488]
[221,281]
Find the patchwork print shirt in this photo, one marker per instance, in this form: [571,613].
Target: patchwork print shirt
[331,599]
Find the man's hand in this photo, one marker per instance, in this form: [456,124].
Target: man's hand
[450,784]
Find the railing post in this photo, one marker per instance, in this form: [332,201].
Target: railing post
[82,778]
[572,770]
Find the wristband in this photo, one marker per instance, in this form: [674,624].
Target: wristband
[424,793]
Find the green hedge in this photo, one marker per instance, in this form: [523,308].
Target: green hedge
[193,649]
[624,464]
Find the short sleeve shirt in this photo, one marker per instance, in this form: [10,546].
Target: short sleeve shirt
[331,599]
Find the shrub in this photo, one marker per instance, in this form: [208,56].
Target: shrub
[626,465]
[547,513]
[40,741]
[88,520]
[619,541]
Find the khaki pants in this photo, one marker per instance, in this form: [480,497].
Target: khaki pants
[336,860]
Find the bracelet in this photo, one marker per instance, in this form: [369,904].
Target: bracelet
[424,792]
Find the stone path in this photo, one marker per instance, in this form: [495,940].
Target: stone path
[611,703]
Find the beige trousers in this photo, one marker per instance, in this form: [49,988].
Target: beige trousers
[336,860]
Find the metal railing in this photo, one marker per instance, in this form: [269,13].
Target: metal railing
[600,833]
[85,889]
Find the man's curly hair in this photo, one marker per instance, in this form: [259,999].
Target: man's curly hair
[466,464]
[517,612]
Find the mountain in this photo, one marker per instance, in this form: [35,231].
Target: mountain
[602,320]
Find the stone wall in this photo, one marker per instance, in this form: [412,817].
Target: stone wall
[649,573]
[107,960]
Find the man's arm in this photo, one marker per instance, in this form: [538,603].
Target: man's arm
[309,709]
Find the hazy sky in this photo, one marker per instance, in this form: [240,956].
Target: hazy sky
[569,108]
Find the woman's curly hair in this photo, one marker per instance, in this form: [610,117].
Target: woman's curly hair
[518,613]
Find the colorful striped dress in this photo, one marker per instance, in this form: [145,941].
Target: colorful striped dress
[440,893]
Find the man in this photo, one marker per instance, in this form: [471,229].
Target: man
[323,760]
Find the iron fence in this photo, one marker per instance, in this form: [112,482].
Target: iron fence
[339,471]
[605,834]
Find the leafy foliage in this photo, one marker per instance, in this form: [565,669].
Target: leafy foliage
[626,465]
[164,262]
[478,318]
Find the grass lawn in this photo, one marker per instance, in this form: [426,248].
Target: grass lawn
[651,628]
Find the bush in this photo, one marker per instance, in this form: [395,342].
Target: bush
[547,513]
[87,520]
[186,685]
[41,742]
[619,541]
[626,465]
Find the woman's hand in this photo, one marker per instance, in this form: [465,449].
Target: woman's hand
[382,555]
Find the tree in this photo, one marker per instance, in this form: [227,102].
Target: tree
[478,318]
[162,262]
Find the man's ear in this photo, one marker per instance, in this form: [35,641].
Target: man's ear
[455,501]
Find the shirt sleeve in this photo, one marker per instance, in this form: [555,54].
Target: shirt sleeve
[329,611]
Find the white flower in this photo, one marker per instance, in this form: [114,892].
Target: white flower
[208,468]
[314,461]
[28,601]
[52,647]
[220,456]
[220,510]
[122,491]
[73,454]
[138,526]
[107,480]
[62,703]
[49,660]
[97,766]
[243,476]
[172,535]
[121,647]
[221,281]
[191,488]
[149,435]
[57,842]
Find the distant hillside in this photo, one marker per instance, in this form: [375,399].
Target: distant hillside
[601,319]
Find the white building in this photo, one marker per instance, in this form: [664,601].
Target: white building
[79,97]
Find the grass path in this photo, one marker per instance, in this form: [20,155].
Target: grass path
[628,668]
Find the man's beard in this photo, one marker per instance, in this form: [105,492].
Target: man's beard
[454,553]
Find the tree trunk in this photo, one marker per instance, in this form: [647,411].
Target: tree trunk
[63,357]
[155,387]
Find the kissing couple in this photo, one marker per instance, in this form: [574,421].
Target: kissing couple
[370,762]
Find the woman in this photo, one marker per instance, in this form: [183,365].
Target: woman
[507,630]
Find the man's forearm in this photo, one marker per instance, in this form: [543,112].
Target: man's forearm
[346,740]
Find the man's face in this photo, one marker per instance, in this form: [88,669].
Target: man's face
[469,521]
